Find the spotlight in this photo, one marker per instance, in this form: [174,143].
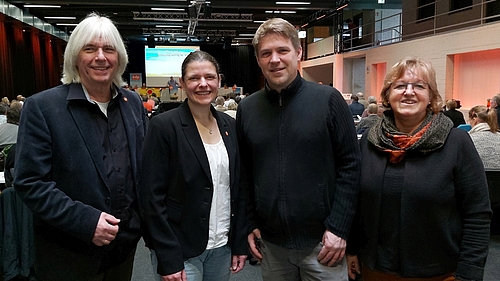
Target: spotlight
[208,11]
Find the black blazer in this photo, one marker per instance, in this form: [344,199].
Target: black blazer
[177,188]
[61,176]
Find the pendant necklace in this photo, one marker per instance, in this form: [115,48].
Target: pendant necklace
[209,130]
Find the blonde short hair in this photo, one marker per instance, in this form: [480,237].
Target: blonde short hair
[423,69]
[276,26]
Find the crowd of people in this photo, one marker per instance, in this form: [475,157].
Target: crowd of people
[277,176]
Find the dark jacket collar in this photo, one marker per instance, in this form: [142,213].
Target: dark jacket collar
[76,92]
[289,91]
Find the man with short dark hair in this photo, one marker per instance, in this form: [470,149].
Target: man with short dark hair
[355,107]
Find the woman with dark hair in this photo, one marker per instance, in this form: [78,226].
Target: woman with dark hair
[423,210]
[192,203]
[451,112]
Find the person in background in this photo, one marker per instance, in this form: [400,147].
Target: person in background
[8,139]
[3,113]
[370,100]
[423,210]
[355,107]
[219,103]
[455,116]
[368,121]
[361,99]
[172,83]
[301,173]
[495,104]
[155,99]
[193,205]
[143,91]
[485,136]
[9,129]
[5,100]
[231,109]
[20,98]
[77,158]
[147,105]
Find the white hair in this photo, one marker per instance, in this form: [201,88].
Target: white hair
[92,27]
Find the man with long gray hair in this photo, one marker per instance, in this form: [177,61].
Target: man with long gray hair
[77,160]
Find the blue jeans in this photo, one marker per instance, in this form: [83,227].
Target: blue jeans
[282,264]
[211,265]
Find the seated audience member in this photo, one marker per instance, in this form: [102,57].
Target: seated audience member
[371,99]
[231,97]
[147,105]
[20,98]
[237,99]
[231,109]
[155,99]
[370,120]
[3,113]
[355,107]
[362,100]
[6,101]
[8,138]
[219,103]
[484,135]
[8,130]
[495,103]
[451,111]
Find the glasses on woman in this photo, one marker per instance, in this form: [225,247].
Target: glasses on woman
[418,87]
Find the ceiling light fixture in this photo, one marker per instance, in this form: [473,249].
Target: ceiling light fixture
[167,9]
[247,34]
[42,6]
[61,18]
[170,26]
[342,7]
[281,12]
[67,24]
[293,3]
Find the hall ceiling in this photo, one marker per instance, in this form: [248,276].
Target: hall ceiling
[136,20]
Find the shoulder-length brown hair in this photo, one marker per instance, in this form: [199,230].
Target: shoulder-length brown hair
[422,69]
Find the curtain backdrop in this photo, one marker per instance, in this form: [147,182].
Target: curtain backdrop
[29,59]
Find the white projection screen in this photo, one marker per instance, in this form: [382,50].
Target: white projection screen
[163,62]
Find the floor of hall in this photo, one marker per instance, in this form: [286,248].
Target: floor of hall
[144,271]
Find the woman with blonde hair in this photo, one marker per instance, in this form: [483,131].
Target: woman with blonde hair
[424,211]
[484,134]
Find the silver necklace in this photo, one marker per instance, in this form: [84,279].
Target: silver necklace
[209,129]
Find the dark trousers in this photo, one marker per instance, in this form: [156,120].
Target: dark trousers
[122,272]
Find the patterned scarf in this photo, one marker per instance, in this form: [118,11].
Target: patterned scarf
[429,136]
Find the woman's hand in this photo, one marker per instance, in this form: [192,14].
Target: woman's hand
[238,262]
[178,276]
